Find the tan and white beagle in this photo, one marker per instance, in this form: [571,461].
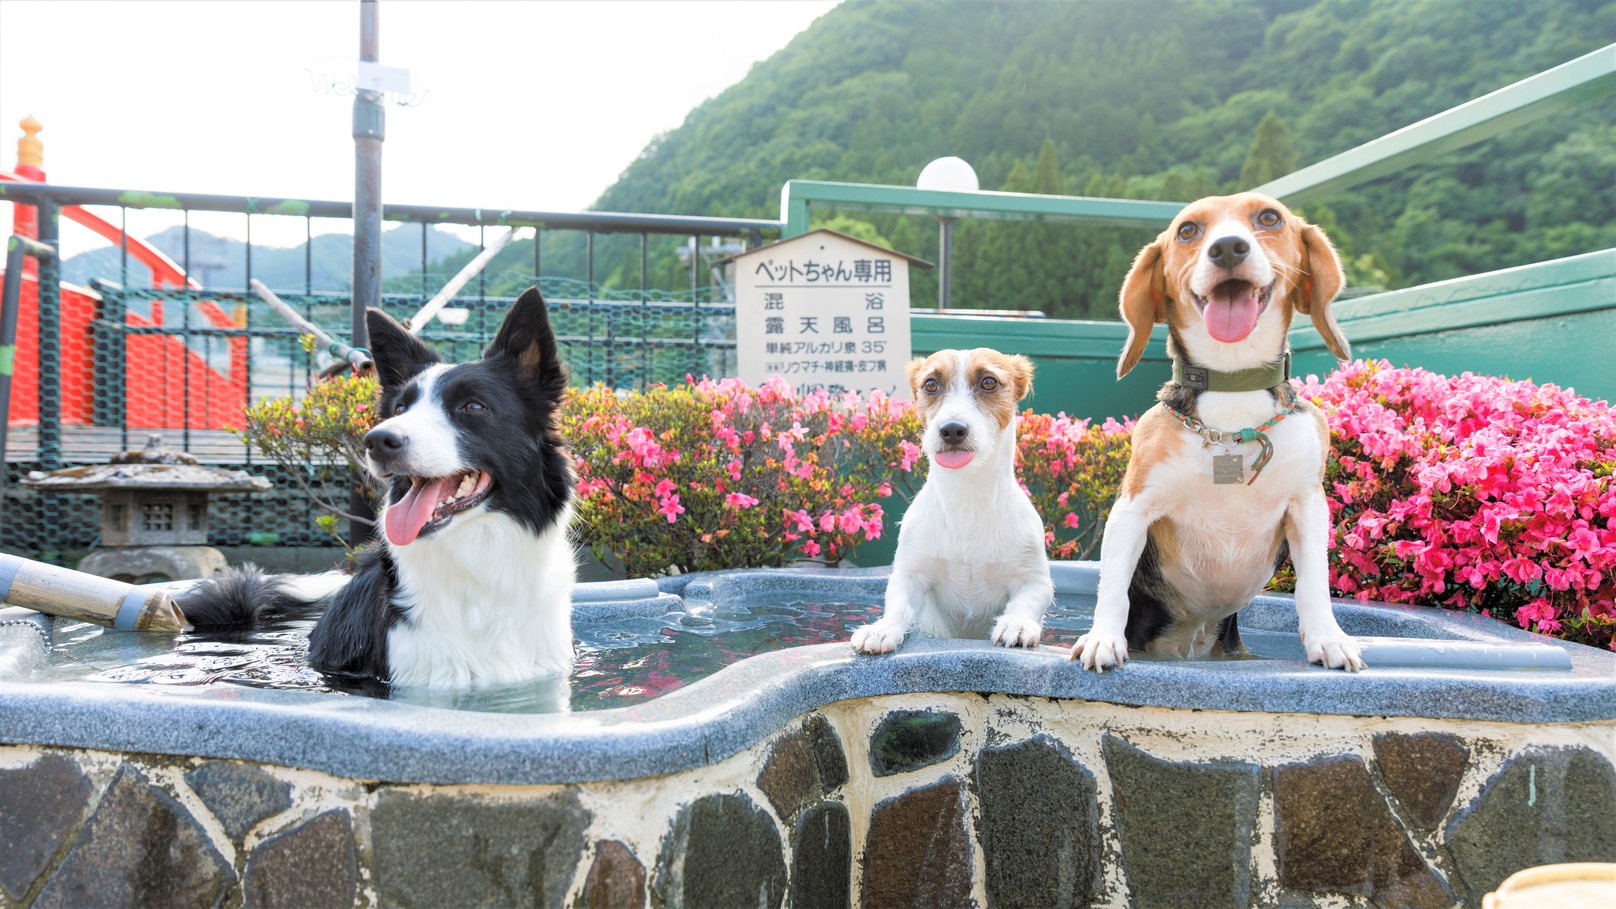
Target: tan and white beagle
[1227,470]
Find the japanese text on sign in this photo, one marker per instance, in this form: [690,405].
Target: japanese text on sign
[824,312]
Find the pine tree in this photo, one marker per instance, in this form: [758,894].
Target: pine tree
[1272,154]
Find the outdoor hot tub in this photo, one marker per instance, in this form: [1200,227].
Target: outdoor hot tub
[950,774]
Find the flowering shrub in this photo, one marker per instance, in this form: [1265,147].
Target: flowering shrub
[715,474]
[321,433]
[1072,470]
[1474,493]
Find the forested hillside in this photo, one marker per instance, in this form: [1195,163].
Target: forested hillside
[325,264]
[1159,100]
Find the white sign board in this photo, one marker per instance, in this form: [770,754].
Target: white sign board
[823,311]
[375,77]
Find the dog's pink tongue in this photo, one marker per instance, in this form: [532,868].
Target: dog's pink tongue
[1231,311]
[953,459]
[406,517]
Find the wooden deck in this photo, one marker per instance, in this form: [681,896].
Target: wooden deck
[97,444]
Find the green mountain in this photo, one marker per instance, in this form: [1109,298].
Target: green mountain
[1146,99]
[221,262]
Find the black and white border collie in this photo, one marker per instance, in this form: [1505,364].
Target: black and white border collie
[471,583]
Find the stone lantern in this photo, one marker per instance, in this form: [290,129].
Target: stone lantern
[154,511]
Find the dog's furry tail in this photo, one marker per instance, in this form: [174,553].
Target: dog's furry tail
[245,596]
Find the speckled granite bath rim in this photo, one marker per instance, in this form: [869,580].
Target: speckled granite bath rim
[739,706]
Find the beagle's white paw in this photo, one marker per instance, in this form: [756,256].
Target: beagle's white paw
[878,637]
[1335,651]
[1010,632]
[1100,652]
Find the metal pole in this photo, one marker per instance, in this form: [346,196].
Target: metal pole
[10,302]
[50,340]
[944,263]
[355,357]
[50,370]
[369,130]
[17,249]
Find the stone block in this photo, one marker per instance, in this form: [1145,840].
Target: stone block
[1186,828]
[822,858]
[1422,771]
[803,764]
[1541,808]
[1335,834]
[447,849]
[1040,825]
[144,564]
[616,879]
[239,795]
[310,866]
[140,848]
[910,739]
[789,777]
[828,754]
[40,804]
[918,852]
[723,850]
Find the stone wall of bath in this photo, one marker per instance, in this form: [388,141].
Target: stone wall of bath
[901,801]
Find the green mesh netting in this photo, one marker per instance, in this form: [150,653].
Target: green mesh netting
[184,363]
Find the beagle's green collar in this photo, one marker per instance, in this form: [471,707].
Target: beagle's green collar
[1258,379]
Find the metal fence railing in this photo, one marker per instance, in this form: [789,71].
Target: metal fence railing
[138,346]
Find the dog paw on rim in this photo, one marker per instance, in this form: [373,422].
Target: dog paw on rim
[880,637]
[1099,652]
[1016,632]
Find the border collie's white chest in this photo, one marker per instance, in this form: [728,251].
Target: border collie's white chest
[487,604]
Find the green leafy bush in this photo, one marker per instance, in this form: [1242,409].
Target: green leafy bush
[319,440]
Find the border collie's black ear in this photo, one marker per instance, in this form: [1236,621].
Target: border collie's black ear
[526,338]
[399,355]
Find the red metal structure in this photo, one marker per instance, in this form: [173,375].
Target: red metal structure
[156,366]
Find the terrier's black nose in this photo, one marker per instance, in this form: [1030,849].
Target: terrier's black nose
[1228,251]
[383,443]
[953,432]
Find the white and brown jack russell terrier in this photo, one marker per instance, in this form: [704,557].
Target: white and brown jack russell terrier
[971,559]
[1226,471]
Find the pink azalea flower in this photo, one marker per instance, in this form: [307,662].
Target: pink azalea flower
[671,507]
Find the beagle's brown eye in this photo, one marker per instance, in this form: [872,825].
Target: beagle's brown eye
[1268,218]
[988,383]
[930,386]
[1189,230]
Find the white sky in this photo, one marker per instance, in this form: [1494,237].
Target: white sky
[533,105]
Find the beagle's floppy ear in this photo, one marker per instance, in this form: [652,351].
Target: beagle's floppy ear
[1020,370]
[1322,279]
[1143,303]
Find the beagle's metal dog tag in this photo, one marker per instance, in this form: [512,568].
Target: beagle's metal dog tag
[1228,469]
